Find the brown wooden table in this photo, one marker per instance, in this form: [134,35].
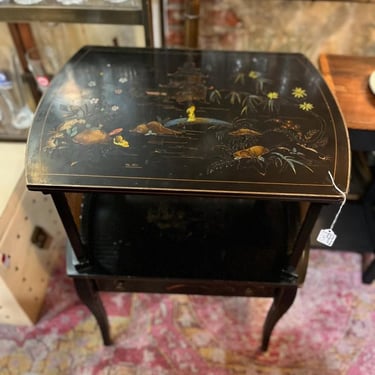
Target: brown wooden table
[348,78]
[202,172]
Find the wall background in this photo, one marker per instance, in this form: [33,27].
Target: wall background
[309,27]
[306,26]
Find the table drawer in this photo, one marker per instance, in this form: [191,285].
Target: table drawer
[205,287]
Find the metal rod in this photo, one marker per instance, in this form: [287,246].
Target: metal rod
[192,11]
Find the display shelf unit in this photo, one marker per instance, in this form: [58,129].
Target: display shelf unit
[97,12]
[18,17]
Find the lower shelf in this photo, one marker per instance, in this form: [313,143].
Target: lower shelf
[139,237]
[136,284]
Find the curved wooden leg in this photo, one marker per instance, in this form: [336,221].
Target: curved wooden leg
[283,299]
[89,295]
[368,273]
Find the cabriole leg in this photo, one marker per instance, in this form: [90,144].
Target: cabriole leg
[89,295]
[283,299]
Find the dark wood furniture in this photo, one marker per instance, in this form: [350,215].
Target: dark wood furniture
[201,172]
[348,78]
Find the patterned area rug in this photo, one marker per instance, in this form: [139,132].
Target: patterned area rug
[329,330]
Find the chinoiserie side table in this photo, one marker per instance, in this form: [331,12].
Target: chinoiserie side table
[196,172]
[348,78]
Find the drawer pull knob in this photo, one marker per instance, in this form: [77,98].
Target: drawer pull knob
[120,285]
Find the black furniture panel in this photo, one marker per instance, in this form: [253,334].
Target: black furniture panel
[201,172]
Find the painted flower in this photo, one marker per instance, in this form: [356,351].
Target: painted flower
[115,108]
[299,92]
[118,91]
[92,84]
[306,106]
[272,95]
[123,80]
[94,100]
[253,74]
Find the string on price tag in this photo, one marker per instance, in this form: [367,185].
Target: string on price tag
[328,236]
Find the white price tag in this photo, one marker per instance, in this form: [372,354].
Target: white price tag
[327,237]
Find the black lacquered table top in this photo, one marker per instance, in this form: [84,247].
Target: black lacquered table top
[189,122]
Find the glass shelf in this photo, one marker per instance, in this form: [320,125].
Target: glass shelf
[106,12]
